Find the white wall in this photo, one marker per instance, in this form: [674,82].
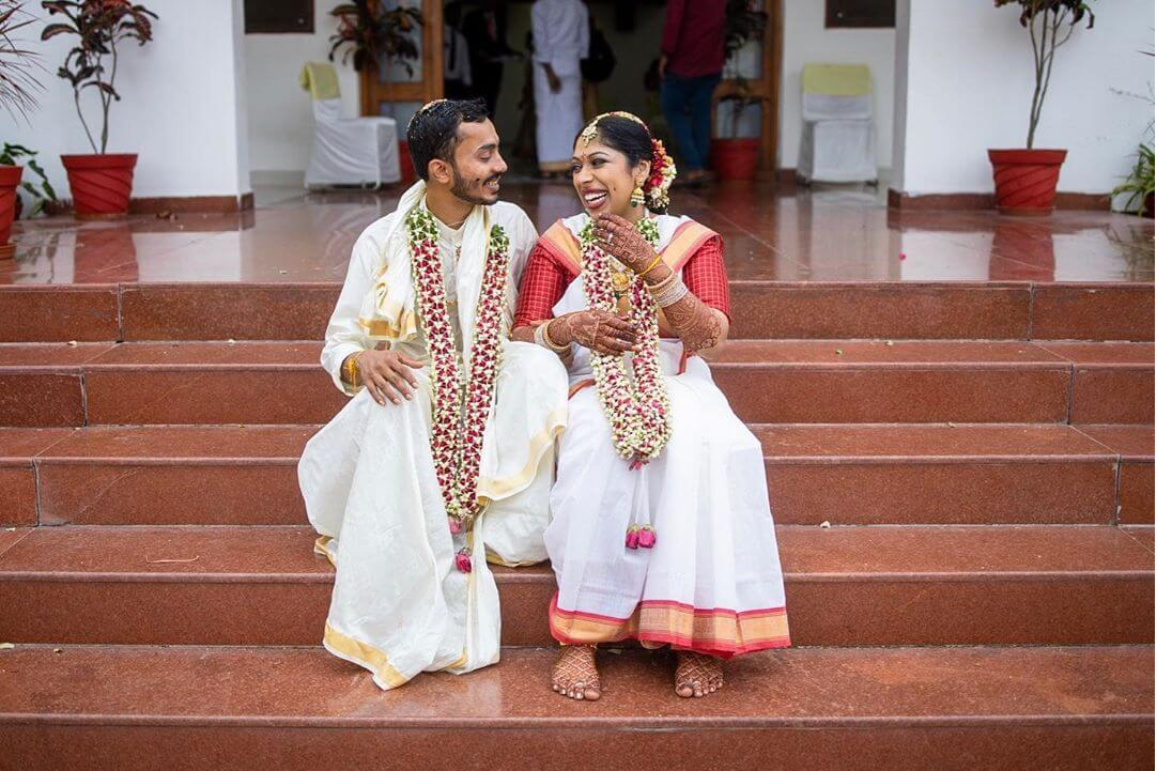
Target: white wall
[967,85]
[805,41]
[180,108]
[280,117]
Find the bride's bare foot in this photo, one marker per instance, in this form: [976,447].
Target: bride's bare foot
[697,675]
[575,674]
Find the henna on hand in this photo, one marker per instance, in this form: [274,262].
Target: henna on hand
[601,331]
[697,324]
[624,242]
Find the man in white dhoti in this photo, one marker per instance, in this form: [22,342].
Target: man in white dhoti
[561,32]
[443,458]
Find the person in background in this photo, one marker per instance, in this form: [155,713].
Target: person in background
[691,66]
[485,31]
[561,40]
[456,59]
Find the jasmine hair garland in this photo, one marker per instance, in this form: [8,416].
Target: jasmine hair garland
[460,405]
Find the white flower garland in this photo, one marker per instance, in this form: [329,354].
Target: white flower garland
[637,408]
[460,406]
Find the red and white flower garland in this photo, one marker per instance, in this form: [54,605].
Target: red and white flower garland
[460,406]
[637,408]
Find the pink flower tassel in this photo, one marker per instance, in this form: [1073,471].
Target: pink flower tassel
[647,537]
[455,525]
[462,561]
[633,537]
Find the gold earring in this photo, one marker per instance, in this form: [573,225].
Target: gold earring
[637,196]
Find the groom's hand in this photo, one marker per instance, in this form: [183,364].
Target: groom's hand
[388,375]
[601,331]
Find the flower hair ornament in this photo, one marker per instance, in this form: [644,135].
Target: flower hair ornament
[658,185]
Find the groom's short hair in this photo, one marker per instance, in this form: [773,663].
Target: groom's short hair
[433,131]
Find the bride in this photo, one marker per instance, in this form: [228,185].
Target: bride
[662,530]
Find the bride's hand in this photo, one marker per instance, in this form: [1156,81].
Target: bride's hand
[601,331]
[620,239]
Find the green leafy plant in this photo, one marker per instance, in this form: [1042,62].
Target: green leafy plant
[1050,24]
[1139,182]
[42,191]
[370,34]
[17,82]
[100,26]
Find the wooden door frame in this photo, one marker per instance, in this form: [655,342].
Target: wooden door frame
[768,87]
[429,88]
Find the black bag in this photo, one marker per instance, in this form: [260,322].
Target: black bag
[600,61]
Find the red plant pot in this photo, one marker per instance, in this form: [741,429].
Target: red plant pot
[1026,180]
[9,181]
[406,164]
[101,184]
[735,158]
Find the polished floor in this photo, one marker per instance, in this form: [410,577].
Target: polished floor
[832,234]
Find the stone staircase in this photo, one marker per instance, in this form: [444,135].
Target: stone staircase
[961,474]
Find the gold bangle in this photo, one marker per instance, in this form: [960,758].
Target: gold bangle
[351,368]
[652,265]
[549,342]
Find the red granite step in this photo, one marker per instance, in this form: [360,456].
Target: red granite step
[884,585]
[766,381]
[761,309]
[1134,445]
[845,474]
[823,709]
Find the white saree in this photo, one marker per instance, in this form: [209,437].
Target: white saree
[399,605]
[713,582]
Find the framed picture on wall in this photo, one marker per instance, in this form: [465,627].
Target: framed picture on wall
[279,17]
[860,13]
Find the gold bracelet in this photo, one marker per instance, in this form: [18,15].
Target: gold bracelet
[656,288]
[652,265]
[351,368]
[551,343]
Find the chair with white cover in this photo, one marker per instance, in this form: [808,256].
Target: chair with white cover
[838,140]
[346,151]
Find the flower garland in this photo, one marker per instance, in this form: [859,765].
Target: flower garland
[638,410]
[460,406]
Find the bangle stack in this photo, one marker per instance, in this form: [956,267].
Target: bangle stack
[669,291]
[542,337]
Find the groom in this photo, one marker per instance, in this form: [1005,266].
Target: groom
[443,459]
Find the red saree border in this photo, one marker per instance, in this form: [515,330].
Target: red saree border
[767,628]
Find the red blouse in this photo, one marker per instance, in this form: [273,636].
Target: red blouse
[546,277]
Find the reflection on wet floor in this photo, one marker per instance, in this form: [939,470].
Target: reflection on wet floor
[771,234]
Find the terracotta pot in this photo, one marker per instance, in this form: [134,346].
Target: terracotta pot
[101,184]
[1026,180]
[735,158]
[406,164]
[9,180]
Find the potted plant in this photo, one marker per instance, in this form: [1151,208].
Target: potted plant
[1139,184]
[17,86]
[733,157]
[1026,179]
[373,36]
[101,182]
[42,193]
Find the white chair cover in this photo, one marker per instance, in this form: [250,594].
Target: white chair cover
[838,140]
[346,151]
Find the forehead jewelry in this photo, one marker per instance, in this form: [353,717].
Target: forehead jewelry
[592,129]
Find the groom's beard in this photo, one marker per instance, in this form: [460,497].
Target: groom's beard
[473,192]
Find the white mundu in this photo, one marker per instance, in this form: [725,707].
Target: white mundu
[399,605]
[561,38]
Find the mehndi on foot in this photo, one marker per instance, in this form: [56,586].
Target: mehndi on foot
[697,675]
[575,674]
